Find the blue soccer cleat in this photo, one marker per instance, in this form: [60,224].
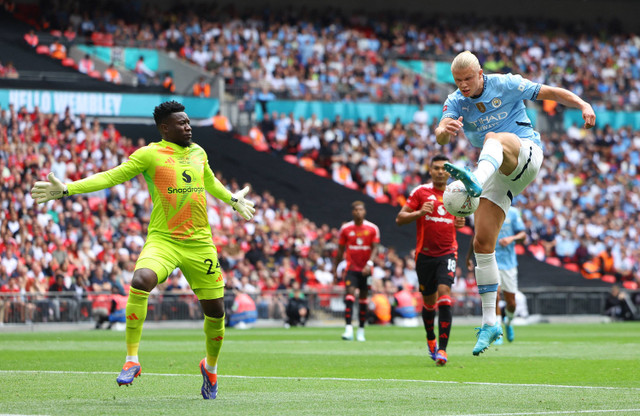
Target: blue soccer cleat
[467,177]
[130,370]
[486,335]
[209,386]
[432,345]
[499,341]
[441,358]
[510,334]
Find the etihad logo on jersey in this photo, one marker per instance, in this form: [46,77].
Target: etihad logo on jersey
[488,121]
[186,190]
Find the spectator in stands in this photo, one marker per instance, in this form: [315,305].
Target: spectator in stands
[63,297]
[221,122]
[202,88]
[86,65]
[167,83]
[57,50]
[143,72]
[10,71]
[264,96]
[31,38]
[111,74]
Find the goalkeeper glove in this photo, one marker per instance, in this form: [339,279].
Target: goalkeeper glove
[242,205]
[44,191]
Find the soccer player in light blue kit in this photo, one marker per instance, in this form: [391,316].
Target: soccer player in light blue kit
[490,110]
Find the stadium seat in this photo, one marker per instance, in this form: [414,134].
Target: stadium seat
[69,62]
[573,267]
[56,33]
[95,74]
[321,172]
[608,278]
[291,159]
[382,199]
[630,285]
[554,261]
[42,49]
[519,249]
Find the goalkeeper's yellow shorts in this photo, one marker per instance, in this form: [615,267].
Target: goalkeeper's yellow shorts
[197,261]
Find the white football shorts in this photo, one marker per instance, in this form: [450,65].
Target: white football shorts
[501,189]
[509,280]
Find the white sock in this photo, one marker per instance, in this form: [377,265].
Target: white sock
[211,369]
[490,160]
[132,358]
[348,328]
[509,316]
[487,279]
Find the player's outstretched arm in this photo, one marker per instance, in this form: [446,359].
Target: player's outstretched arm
[245,207]
[566,97]
[44,191]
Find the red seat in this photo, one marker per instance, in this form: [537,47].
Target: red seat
[42,49]
[554,261]
[56,33]
[519,249]
[95,74]
[630,285]
[573,267]
[608,278]
[291,159]
[321,172]
[382,199]
[69,62]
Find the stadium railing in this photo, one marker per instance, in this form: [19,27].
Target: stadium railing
[324,304]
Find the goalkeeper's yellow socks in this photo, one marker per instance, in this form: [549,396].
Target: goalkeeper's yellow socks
[214,331]
[136,314]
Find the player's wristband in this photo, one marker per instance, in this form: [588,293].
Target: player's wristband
[370,263]
[65,191]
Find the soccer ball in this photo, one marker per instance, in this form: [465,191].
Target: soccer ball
[458,202]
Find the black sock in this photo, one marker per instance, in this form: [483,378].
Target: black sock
[444,325]
[428,316]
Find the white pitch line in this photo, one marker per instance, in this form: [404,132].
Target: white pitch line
[559,412]
[376,380]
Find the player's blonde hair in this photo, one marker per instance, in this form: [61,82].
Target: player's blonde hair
[465,60]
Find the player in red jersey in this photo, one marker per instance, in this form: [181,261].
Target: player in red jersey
[359,240]
[436,254]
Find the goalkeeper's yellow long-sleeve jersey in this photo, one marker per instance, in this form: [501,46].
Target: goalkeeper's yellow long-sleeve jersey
[177,178]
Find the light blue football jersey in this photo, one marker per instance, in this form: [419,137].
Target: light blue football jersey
[499,109]
[513,224]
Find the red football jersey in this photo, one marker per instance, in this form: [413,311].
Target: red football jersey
[358,241]
[436,232]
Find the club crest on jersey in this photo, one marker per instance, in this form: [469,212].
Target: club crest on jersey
[481,107]
[496,102]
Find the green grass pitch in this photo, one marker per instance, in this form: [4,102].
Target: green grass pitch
[550,369]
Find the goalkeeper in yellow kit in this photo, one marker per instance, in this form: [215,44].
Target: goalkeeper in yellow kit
[178,174]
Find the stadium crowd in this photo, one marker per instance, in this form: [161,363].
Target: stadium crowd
[582,212]
[303,54]
[86,246]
